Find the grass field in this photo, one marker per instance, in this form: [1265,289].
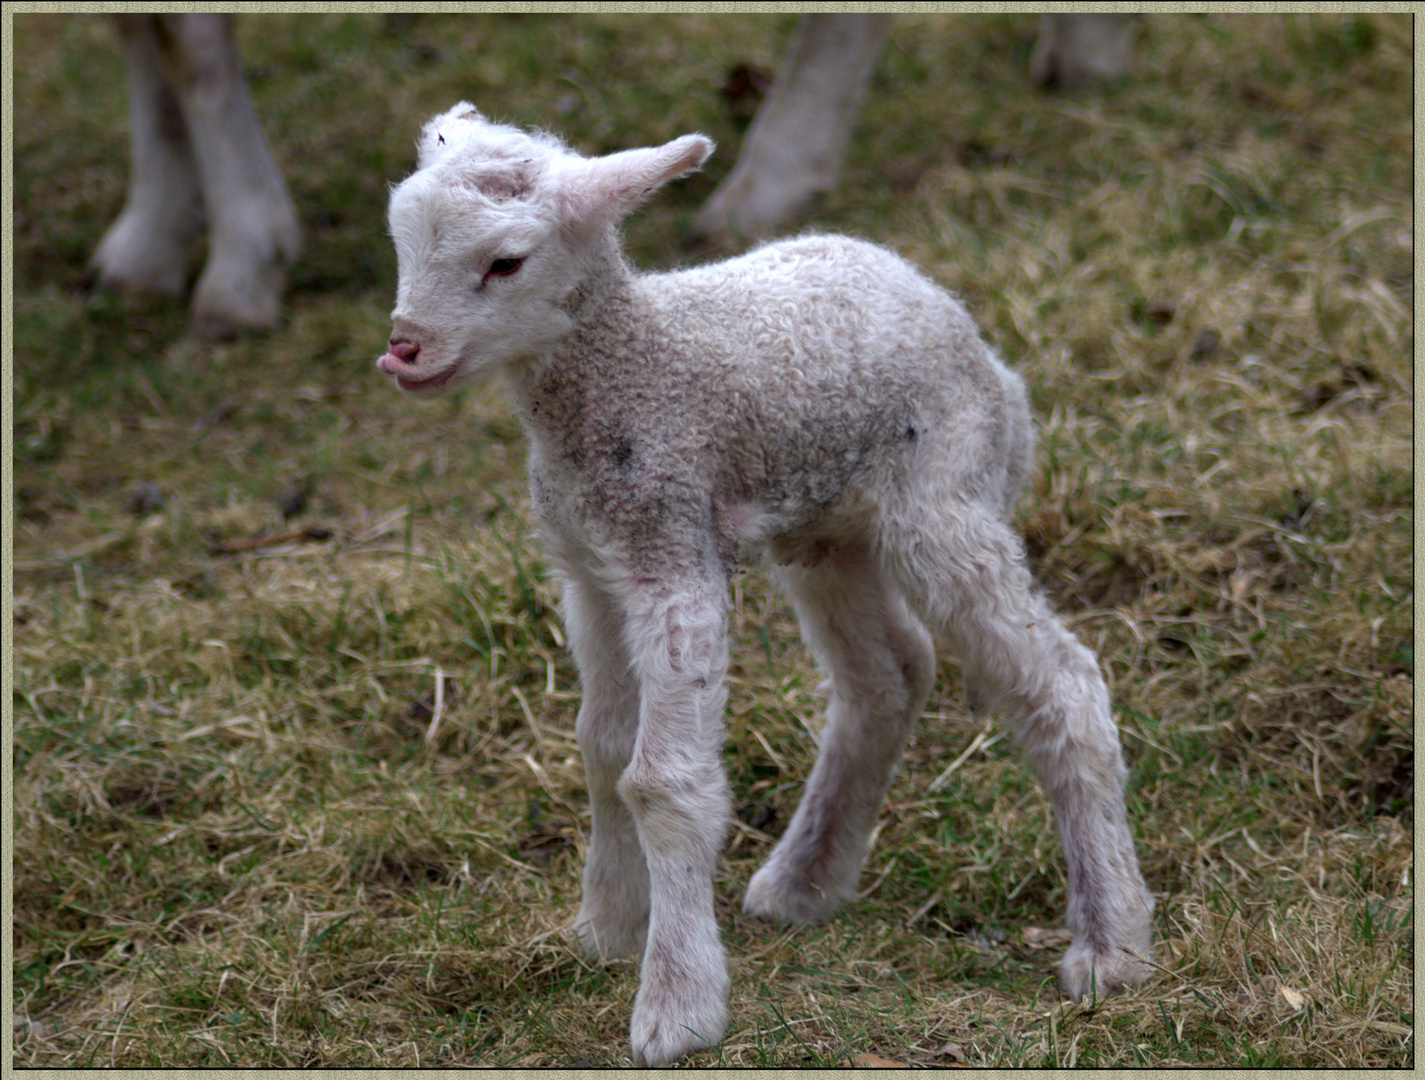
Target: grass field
[317,802]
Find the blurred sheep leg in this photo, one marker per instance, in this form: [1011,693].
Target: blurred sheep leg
[794,148]
[199,156]
[1074,51]
[149,245]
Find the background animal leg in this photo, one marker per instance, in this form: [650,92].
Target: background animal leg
[793,150]
[254,235]
[152,242]
[1076,49]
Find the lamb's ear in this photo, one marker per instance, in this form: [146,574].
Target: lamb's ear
[443,133]
[594,190]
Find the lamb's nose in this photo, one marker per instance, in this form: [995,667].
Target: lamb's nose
[403,350]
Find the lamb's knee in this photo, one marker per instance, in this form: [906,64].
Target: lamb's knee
[917,665]
[674,791]
[679,806]
[605,729]
[905,676]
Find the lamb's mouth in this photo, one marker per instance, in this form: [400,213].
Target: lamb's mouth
[426,386]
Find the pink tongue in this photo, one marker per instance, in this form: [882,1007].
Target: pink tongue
[400,355]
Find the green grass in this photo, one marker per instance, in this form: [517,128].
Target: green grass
[320,803]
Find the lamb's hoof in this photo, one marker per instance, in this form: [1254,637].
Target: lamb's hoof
[775,895]
[1087,972]
[678,1012]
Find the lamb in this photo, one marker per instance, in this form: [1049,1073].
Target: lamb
[818,401]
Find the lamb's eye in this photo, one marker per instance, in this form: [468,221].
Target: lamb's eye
[504,267]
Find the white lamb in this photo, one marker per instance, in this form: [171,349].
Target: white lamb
[818,400]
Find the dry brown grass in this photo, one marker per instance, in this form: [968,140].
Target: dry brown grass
[318,802]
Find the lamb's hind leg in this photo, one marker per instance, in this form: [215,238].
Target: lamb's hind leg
[882,667]
[613,916]
[967,575]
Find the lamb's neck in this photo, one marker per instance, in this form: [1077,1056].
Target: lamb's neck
[548,392]
[607,283]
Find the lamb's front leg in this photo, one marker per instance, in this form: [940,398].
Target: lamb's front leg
[613,917]
[679,797]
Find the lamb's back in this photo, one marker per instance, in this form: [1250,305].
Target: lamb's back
[811,362]
[826,304]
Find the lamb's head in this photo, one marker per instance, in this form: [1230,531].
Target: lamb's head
[494,232]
